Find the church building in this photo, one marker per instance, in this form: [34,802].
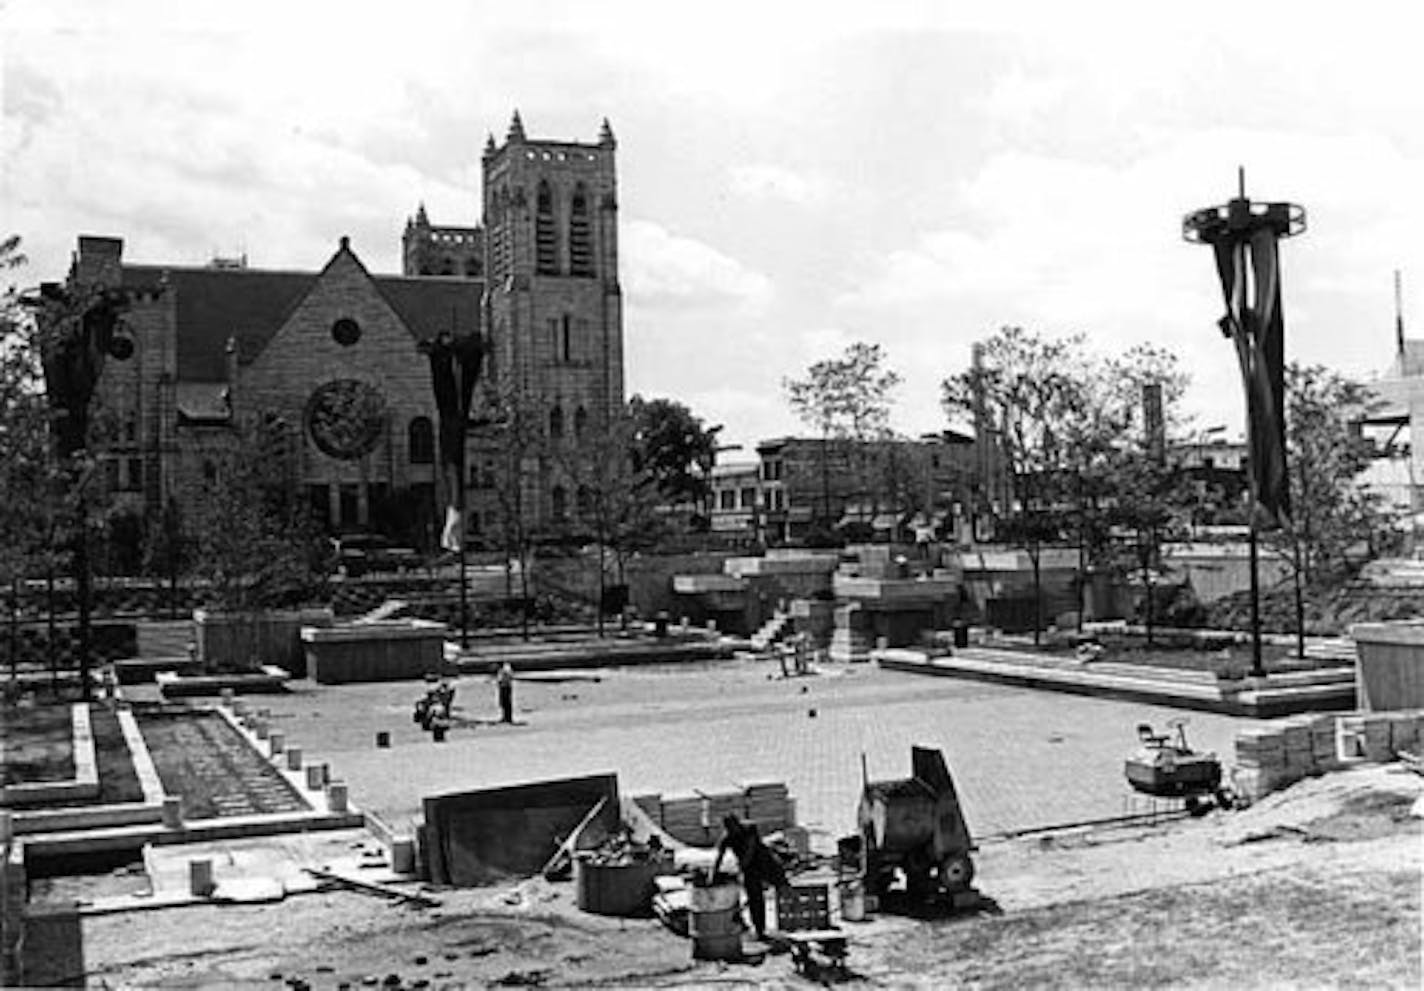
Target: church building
[334,354]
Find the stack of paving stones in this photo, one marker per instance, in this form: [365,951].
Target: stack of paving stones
[768,805]
[241,782]
[1260,761]
[1274,754]
[696,819]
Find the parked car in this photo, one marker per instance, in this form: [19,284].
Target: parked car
[360,554]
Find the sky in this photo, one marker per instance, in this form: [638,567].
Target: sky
[794,176]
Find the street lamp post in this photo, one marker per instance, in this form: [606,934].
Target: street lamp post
[1244,239]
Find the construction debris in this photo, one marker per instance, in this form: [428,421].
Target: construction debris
[374,888]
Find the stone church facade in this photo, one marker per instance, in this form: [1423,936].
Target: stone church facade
[334,354]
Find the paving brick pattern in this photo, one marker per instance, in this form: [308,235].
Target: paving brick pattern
[1021,758]
[236,781]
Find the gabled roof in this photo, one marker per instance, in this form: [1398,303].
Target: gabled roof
[431,305]
[214,304]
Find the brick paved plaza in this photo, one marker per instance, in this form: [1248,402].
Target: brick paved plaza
[1020,758]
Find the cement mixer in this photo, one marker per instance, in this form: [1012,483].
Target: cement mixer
[913,828]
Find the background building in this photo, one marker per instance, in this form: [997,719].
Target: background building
[331,356]
[882,490]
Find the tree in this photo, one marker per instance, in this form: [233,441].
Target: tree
[616,506]
[1333,512]
[27,481]
[1070,431]
[516,438]
[254,545]
[845,399]
[1025,394]
[674,448]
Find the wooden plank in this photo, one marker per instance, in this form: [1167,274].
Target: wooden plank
[373,887]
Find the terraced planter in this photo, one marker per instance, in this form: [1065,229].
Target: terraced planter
[200,756]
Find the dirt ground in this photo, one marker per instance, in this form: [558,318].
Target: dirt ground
[1316,886]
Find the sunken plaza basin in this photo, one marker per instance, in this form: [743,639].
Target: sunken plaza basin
[383,650]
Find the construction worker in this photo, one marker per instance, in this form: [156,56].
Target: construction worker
[504,677]
[758,864]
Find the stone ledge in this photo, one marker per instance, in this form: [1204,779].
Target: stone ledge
[147,774]
[85,817]
[272,679]
[1008,668]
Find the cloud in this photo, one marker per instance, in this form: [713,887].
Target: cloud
[666,268]
[1065,245]
[775,182]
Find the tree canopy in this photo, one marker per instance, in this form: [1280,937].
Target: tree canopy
[847,397]
[1333,513]
[673,447]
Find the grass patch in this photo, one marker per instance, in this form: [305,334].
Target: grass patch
[1275,929]
[36,744]
[118,781]
[199,756]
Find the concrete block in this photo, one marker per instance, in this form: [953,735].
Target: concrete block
[336,796]
[173,812]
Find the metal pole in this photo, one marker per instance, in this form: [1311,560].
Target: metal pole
[1257,669]
[84,591]
[464,529]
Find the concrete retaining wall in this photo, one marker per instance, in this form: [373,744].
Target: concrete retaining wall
[14,892]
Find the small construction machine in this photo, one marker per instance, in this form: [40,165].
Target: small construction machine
[914,828]
[1167,767]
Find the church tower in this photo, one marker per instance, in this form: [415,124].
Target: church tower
[430,250]
[554,305]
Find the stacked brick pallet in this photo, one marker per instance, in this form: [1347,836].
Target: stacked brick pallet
[1276,753]
[696,819]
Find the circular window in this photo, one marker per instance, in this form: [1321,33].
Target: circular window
[345,418]
[121,348]
[346,332]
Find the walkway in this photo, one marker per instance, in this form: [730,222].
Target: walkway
[1021,758]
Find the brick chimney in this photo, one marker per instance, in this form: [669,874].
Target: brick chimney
[98,261]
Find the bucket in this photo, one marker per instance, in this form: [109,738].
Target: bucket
[713,923]
[200,877]
[615,889]
[852,894]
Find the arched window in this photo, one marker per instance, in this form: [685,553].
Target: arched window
[580,421]
[580,235]
[556,422]
[559,503]
[421,441]
[546,247]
